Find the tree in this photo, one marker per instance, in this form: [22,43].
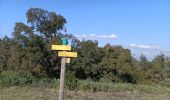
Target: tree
[46,23]
[159,70]
[158,62]
[31,52]
[5,45]
[144,63]
[117,65]
[85,66]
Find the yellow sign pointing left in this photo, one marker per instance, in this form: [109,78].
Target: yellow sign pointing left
[61,47]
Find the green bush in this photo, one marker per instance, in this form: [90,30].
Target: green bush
[95,86]
[45,82]
[71,81]
[11,78]
[166,82]
[85,85]
[89,85]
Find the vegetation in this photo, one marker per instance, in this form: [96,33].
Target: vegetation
[26,59]
[119,92]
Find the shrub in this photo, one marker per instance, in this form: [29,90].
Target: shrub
[166,82]
[11,78]
[45,82]
[71,81]
[95,86]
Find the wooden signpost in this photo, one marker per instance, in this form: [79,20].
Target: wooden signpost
[63,52]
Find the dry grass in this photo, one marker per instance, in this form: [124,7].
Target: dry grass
[41,93]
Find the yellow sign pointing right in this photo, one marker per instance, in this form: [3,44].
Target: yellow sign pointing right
[67,54]
[67,60]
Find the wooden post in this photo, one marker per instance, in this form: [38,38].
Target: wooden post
[62,74]
[64,47]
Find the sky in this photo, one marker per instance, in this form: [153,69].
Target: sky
[143,26]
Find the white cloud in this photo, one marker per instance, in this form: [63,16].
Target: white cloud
[166,50]
[112,36]
[95,36]
[145,46]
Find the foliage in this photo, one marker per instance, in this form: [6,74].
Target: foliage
[29,52]
[166,82]
[10,78]
[85,66]
[5,46]
[71,81]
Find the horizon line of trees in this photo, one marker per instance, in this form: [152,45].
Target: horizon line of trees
[29,51]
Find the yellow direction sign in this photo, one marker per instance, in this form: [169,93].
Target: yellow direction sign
[67,54]
[67,60]
[61,47]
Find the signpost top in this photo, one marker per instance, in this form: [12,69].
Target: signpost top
[64,41]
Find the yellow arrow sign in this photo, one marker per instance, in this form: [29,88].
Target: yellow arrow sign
[67,60]
[67,54]
[61,47]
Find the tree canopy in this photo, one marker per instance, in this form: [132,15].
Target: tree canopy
[29,51]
